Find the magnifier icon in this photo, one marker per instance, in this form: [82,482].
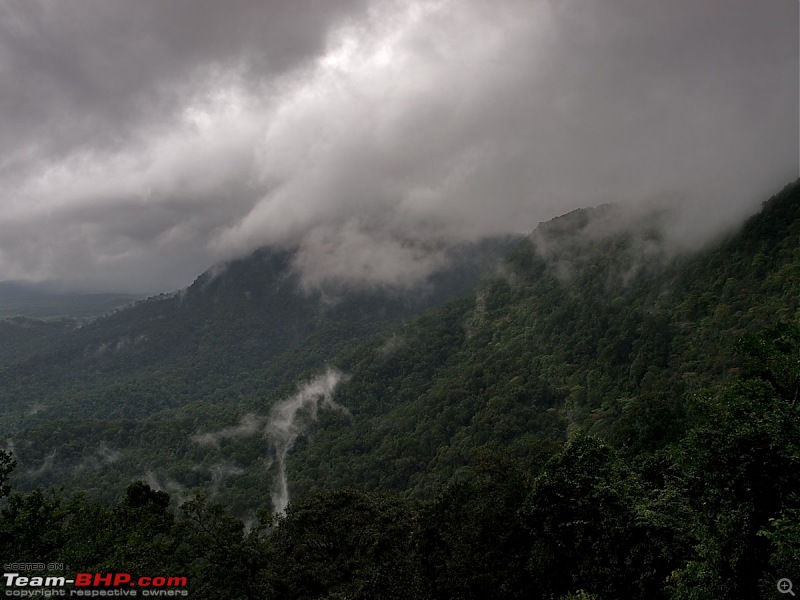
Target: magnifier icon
[785,586]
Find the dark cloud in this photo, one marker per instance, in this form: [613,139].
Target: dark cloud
[90,72]
[145,140]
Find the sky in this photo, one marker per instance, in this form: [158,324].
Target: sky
[143,141]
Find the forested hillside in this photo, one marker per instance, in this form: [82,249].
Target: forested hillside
[593,327]
[604,417]
[123,396]
[35,320]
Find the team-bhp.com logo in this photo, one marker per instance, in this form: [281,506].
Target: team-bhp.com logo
[94,585]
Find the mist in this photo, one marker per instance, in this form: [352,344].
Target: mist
[290,418]
[287,420]
[248,425]
[146,141]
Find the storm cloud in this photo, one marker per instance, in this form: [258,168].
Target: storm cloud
[144,141]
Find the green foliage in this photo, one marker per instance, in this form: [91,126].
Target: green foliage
[7,465]
[32,527]
[215,554]
[473,543]
[596,527]
[347,544]
[599,420]
[22,338]
[713,514]
[740,463]
[132,388]
[783,533]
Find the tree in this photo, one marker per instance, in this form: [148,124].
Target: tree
[7,464]
[741,462]
[346,544]
[473,543]
[596,527]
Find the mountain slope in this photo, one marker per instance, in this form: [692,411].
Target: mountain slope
[592,327]
[234,337]
[592,324]
[476,413]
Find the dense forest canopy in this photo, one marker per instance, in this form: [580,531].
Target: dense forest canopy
[599,417]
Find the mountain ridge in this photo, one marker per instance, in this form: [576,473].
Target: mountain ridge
[514,367]
[603,434]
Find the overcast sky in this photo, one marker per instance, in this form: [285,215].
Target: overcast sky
[142,141]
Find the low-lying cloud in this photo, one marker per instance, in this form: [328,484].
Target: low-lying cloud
[370,135]
[289,419]
[248,425]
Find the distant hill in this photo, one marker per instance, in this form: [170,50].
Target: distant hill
[34,318]
[20,299]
